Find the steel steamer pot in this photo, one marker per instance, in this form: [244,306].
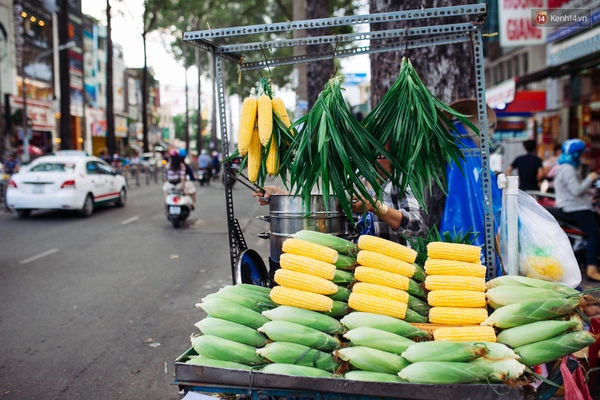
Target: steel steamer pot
[290,214]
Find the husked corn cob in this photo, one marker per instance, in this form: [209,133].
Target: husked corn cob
[307,265]
[298,354]
[273,158]
[369,359]
[285,331]
[370,376]
[386,323]
[531,311]
[309,249]
[465,334]
[302,316]
[444,351]
[254,157]
[373,259]
[456,298]
[301,298]
[211,362]
[457,315]
[265,119]
[435,266]
[536,332]
[453,282]
[232,331]
[295,370]
[227,350]
[230,311]
[454,251]
[387,292]
[397,281]
[377,305]
[378,339]
[341,245]
[387,247]
[306,282]
[248,117]
[281,111]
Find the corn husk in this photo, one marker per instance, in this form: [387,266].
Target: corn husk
[536,332]
[444,351]
[554,348]
[531,311]
[295,370]
[310,318]
[389,324]
[285,331]
[232,331]
[442,372]
[227,350]
[293,353]
[378,339]
[369,359]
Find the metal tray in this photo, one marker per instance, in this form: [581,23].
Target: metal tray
[199,378]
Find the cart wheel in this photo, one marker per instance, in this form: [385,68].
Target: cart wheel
[251,269]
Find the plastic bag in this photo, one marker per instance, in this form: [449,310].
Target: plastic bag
[544,248]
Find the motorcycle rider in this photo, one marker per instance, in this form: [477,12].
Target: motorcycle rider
[176,175]
[573,199]
[190,177]
[205,163]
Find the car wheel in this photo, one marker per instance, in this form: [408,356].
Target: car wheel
[88,206]
[122,198]
[23,213]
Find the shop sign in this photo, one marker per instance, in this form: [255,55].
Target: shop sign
[517,23]
[40,112]
[120,127]
[500,95]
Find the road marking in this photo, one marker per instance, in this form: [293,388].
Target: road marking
[130,220]
[44,254]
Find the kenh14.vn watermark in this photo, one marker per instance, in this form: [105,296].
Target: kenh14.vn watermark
[561,17]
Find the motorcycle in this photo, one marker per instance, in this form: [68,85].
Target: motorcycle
[204,175]
[177,206]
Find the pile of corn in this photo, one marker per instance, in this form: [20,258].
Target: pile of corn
[456,292]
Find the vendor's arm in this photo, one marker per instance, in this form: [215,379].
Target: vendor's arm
[408,220]
[576,187]
[263,195]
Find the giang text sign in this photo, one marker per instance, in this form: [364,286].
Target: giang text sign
[516,28]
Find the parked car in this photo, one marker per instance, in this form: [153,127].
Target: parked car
[68,180]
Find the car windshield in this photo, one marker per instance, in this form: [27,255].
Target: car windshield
[53,167]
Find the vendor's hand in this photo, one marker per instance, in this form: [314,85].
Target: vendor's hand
[593,176]
[263,195]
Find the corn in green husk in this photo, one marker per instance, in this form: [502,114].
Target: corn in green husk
[312,319]
[499,351]
[227,350]
[343,294]
[241,299]
[554,348]
[259,293]
[389,324]
[293,353]
[444,351]
[531,311]
[378,339]
[413,316]
[285,331]
[345,262]
[341,245]
[342,277]
[339,309]
[418,305]
[370,376]
[295,370]
[211,362]
[443,372]
[500,370]
[260,289]
[517,280]
[504,295]
[232,331]
[536,332]
[369,359]
[231,311]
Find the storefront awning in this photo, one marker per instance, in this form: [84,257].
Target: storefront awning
[526,102]
[560,70]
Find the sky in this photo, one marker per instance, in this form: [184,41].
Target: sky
[127,31]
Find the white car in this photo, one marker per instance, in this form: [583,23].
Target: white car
[68,180]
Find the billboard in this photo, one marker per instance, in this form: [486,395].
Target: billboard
[8,82]
[516,27]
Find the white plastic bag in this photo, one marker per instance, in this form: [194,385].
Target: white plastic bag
[544,248]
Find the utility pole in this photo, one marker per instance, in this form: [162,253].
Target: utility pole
[111,142]
[199,113]
[187,102]
[65,79]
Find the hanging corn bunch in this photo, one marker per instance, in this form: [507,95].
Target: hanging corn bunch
[410,119]
[248,116]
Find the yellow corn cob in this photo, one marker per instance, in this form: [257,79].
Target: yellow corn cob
[456,298]
[435,266]
[307,265]
[309,249]
[454,251]
[302,281]
[387,247]
[373,259]
[254,157]
[465,334]
[280,110]
[377,305]
[453,282]
[273,158]
[247,122]
[300,298]
[379,277]
[380,291]
[457,316]
[265,119]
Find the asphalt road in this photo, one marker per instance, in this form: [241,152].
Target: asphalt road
[100,307]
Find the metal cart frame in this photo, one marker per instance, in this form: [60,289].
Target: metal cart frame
[409,38]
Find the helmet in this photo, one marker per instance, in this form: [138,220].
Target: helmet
[173,152]
[182,153]
[572,146]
